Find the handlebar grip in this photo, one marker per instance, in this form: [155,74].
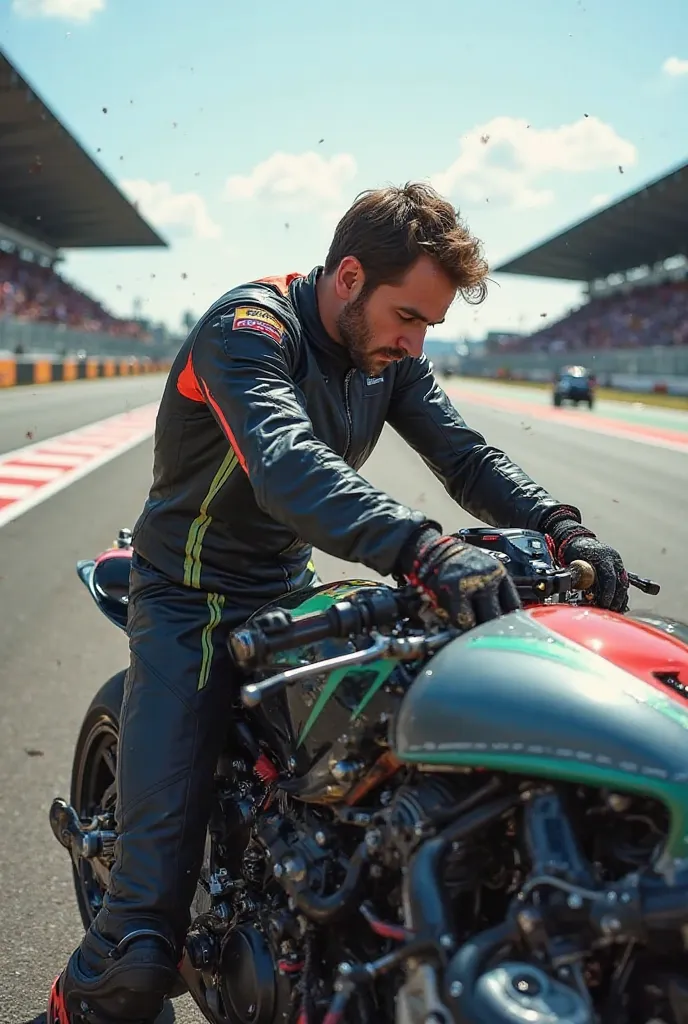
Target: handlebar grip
[276,632]
[583,576]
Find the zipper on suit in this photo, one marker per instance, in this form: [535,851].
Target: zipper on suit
[349,423]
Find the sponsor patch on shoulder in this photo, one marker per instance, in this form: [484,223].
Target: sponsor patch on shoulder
[254,318]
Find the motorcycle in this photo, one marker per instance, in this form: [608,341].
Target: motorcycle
[422,826]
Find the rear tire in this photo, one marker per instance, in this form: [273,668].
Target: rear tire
[93,788]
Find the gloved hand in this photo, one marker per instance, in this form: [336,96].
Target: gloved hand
[461,581]
[570,541]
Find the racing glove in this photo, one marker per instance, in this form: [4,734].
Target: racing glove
[570,540]
[463,583]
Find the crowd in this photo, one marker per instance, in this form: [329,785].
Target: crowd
[654,315]
[31,292]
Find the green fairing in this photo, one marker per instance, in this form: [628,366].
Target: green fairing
[319,602]
[379,670]
[673,794]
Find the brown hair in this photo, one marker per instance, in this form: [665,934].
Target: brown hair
[387,229]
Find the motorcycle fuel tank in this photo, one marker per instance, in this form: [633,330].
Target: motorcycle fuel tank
[514,695]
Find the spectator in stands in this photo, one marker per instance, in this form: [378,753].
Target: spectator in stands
[646,316]
[32,292]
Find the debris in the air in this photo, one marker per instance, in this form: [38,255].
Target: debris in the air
[33,752]
[484,139]
[184,276]
[320,140]
[105,110]
[621,170]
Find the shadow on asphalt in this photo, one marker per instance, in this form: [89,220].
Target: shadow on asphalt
[167,1016]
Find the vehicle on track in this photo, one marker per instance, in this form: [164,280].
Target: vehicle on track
[574,384]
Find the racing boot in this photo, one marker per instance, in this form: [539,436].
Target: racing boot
[131,988]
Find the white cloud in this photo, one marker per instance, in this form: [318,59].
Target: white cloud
[71,10]
[601,199]
[168,209]
[304,178]
[675,67]
[503,160]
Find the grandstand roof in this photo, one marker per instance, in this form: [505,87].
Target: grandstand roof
[50,188]
[643,227]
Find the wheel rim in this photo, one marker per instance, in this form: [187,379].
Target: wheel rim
[95,793]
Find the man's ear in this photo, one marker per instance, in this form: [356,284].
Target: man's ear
[349,279]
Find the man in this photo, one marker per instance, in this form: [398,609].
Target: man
[273,403]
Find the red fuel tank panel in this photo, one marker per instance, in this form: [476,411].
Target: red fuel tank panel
[637,648]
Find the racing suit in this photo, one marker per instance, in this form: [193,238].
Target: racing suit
[262,427]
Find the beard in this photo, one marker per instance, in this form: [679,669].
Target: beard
[357,338]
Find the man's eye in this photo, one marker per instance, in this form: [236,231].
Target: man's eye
[407,319]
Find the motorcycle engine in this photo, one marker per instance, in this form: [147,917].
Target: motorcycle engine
[510,993]
[515,991]
[239,940]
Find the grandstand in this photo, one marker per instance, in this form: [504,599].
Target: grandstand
[53,196]
[632,256]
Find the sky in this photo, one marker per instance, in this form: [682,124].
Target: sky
[245,131]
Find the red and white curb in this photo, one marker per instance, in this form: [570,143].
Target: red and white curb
[34,473]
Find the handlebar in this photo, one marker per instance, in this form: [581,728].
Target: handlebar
[583,576]
[375,608]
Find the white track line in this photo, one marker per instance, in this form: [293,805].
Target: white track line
[31,475]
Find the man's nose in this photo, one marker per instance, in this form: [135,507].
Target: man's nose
[412,344]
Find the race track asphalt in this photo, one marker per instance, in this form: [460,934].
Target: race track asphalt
[56,650]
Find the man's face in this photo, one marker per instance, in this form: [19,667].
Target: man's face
[390,323]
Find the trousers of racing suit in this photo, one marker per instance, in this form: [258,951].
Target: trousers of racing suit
[174,719]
